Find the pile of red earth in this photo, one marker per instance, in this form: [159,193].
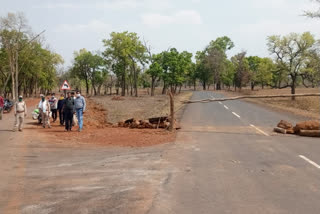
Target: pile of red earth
[306,128]
[151,123]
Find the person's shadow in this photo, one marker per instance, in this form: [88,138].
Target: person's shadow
[5,130]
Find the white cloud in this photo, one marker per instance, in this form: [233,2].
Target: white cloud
[109,4]
[274,27]
[180,17]
[95,25]
[274,4]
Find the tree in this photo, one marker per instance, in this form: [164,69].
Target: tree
[192,75]
[228,75]
[241,65]
[202,71]
[91,68]
[216,57]
[311,73]
[175,66]
[155,71]
[254,62]
[13,30]
[313,14]
[291,53]
[264,72]
[125,51]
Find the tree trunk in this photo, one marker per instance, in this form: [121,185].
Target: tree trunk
[252,86]
[171,112]
[218,86]
[87,86]
[17,74]
[123,86]
[164,88]
[204,86]
[5,85]
[152,86]
[293,87]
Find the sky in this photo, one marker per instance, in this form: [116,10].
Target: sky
[184,24]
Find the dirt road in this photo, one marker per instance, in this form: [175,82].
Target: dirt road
[41,177]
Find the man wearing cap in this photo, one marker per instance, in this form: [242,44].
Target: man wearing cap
[44,108]
[20,111]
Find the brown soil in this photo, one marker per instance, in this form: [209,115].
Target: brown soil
[302,106]
[97,131]
[142,107]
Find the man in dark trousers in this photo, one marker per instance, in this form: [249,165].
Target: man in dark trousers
[60,109]
[53,106]
[68,109]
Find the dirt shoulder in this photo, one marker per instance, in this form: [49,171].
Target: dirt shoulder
[101,113]
[142,107]
[303,106]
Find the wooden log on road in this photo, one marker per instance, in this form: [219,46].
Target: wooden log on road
[251,97]
[280,130]
[310,133]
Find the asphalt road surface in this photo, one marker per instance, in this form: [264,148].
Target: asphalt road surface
[225,160]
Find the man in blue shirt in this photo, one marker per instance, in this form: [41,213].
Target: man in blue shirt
[80,108]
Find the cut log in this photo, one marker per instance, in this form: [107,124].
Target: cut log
[290,131]
[121,123]
[284,124]
[280,130]
[135,124]
[310,133]
[307,125]
[129,121]
[157,119]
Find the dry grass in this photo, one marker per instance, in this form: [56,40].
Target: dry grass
[304,106]
[142,107]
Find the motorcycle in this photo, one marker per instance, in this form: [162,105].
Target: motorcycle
[7,105]
[36,115]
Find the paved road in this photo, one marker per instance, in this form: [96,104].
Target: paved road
[227,160]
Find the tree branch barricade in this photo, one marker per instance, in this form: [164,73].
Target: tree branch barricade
[251,97]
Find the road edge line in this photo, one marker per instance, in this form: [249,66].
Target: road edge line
[310,161]
[259,130]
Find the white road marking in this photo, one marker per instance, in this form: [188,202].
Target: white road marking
[226,107]
[259,130]
[309,161]
[236,114]
[220,103]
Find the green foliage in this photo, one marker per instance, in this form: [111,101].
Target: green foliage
[91,68]
[292,52]
[125,51]
[228,75]
[241,66]
[264,71]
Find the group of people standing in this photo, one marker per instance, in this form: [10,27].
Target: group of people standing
[67,107]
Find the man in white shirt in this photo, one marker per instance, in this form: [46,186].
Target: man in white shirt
[53,106]
[44,108]
[20,111]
